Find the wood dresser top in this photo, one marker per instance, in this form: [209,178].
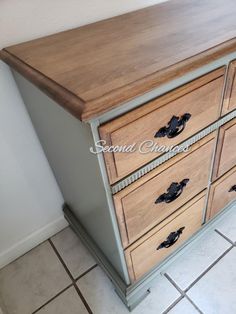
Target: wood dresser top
[95,68]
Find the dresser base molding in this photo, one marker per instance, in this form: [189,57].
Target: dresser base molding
[133,294]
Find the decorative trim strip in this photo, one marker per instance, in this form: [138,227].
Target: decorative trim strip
[160,160]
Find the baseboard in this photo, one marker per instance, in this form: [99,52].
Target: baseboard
[32,241]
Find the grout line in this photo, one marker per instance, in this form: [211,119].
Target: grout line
[53,298]
[86,272]
[71,277]
[83,299]
[184,292]
[174,284]
[61,260]
[193,304]
[183,295]
[208,268]
[173,304]
[223,236]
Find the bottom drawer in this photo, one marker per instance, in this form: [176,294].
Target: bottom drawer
[154,247]
[222,192]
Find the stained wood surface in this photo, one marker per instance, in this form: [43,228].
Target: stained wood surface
[143,255]
[201,98]
[136,209]
[226,153]
[220,195]
[92,69]
[230,92]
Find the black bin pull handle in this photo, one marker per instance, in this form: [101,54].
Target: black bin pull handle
[171,239]
[233,189]
[173,192]
[174,127]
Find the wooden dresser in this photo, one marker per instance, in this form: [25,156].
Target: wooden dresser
[156,90]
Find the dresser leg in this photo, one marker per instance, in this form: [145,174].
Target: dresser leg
[133,301]
[129,295]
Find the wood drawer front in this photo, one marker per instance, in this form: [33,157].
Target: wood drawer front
[230,93]
[220,195]
[226,152]
[200,98]
[136,209]
[143,256]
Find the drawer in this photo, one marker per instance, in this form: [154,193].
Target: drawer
[192,107]
[164,239]
[222,192]
[230,92]
[226,152]
[144,204]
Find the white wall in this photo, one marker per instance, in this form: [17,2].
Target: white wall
[30,200]
[21,20]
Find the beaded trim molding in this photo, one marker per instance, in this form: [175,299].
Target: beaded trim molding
[160,160]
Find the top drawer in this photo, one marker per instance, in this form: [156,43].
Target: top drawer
[192,107]
[230,93]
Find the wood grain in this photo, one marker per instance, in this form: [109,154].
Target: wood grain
[107,63]
[136,210]
[143,255]
[225,153]
[219,196]
[230,91]
[201,98]
[62,96]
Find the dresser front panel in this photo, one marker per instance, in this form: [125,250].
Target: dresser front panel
[222,192]
[142,207]
[153,248]
[200,100]
[230,93]
[226,152]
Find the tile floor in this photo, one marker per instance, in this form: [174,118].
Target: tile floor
[61,277]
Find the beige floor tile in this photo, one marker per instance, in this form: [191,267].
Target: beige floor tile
[3,309]
[197,258]
[32,280]
[76,257]
[183,307]
[67,303]
[215,292]
[102,299]
[227,225]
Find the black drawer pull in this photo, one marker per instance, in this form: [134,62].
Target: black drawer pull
[233,189]
[171,239]
[175,126]
[173,192]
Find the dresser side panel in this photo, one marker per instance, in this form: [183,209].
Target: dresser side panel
[66,142]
